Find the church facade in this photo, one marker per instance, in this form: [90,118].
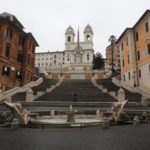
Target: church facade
[75,53]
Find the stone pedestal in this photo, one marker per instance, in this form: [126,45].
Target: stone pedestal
[121,95]
[98,113]
[29,95]
[52,113]
[144,101]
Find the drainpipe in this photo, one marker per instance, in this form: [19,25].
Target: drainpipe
[136,62]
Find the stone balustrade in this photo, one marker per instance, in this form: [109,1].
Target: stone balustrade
[3,95]
[113,94]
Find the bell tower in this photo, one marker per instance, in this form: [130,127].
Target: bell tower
[88,34]
[69,38]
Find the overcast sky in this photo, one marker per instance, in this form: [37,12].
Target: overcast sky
[48,19]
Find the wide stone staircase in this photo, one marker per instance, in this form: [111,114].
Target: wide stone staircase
[83,89]
[107,83]
[21,96]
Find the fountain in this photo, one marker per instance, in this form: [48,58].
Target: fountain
[70,119]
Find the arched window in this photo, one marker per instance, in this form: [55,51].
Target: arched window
[69,39]
[7,50]
[88,37]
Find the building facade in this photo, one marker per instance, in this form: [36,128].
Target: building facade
[134,46]
[17,52]
[75,53]
[116,57]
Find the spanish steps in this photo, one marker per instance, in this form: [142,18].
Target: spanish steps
[77,91]
[82,94]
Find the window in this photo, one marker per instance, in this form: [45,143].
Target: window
[18,74]
[123,62]
[87,56]
[124,78]
[140,73]
[129,75]
[54,56]
[138,55]
[68,58]
[20,57]
[87,37]
[69,39]
[33,49]
[122,46]
[136,36]
[128,59]
[9,33]
[146,27]
[6,70]
[33,62]
[54,61]
[7,51]
[148,48]
[127,41]
[28,59]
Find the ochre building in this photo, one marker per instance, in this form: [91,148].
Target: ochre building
[134,45]
[17,52]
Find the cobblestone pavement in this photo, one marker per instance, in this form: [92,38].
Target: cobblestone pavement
[115,138]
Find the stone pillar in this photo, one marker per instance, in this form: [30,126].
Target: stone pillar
[144,101]
[121,95]
[29,95]
[52,113]
[98,113]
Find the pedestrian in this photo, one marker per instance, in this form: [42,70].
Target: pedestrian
[75,97]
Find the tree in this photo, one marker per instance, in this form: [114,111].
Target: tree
[98,61]
[112,40]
